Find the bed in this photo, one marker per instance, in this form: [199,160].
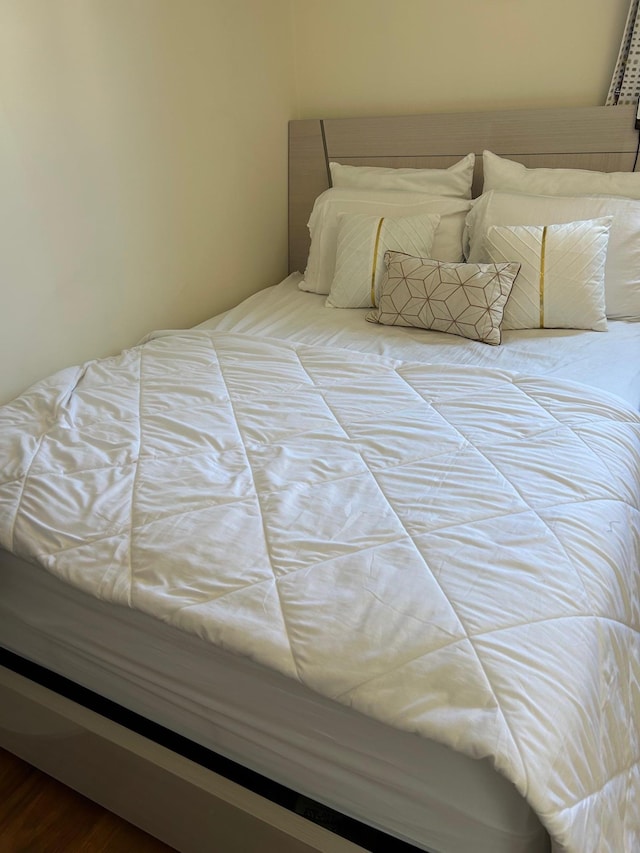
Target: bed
[297,718]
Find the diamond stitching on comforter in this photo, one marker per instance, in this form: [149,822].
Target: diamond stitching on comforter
[264,525]
[378,615]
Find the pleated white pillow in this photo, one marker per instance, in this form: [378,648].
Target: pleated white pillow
[561,279]
[362,242]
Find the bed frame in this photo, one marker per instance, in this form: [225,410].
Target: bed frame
[177,799]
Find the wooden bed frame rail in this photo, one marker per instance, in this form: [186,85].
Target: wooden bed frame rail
[187,806]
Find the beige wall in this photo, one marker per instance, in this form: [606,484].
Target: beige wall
[143,142]
[143,150]
[375,57]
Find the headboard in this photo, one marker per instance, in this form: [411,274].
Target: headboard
[601,138]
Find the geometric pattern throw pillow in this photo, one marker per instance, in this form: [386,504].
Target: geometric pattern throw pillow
[461,299]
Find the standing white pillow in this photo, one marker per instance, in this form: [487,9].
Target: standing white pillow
[561,280]
[362,242]
[323,226]
[622,273]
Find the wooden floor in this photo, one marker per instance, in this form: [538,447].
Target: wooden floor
[40,815]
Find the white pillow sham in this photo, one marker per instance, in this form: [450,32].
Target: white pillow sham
[323,226]
[362,243]
[508,176]
[454,181]
[622,268]
[561,279]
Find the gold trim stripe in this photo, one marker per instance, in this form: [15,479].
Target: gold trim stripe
[375,265]
[543,250]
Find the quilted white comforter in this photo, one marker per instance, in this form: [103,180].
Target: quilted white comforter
[451,550]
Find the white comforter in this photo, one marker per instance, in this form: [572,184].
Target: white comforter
[452,550]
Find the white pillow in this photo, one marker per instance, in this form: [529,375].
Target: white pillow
[622,268]
[561,279]
[508,176]
[455,181]
[323,226]
[362,242]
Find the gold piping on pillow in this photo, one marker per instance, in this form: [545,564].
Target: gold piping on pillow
[375,264]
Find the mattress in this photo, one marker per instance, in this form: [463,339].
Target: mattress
[366,770]
[264,721]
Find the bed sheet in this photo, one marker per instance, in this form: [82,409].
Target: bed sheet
[606,360]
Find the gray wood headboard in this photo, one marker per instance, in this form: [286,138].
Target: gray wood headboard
[602,138]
